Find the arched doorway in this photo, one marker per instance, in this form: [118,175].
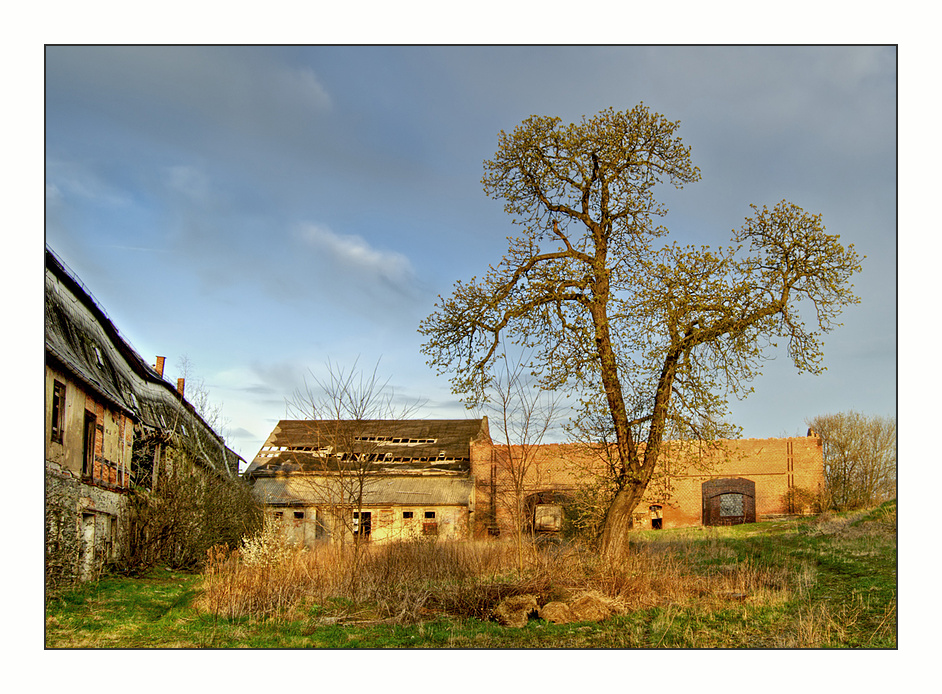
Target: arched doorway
[729,501]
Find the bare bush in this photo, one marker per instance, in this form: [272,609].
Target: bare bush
[187,511]
[859,458]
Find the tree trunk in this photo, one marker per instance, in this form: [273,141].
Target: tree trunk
[618,522]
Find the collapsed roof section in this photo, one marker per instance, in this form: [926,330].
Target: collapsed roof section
[82,340]
[417,446]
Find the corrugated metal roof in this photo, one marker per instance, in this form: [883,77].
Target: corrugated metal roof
[377,491]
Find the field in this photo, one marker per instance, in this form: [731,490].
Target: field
[823,582]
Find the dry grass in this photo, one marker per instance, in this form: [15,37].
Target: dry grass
[406,582]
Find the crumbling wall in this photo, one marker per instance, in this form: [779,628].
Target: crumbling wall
[674,497]
[85,527]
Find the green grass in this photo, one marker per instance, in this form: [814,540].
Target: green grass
[838,590]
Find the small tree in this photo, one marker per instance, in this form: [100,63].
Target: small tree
[340,406]
[859,458]
[657,338]
[523,414]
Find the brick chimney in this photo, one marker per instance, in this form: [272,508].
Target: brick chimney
[180,386]
[160,366]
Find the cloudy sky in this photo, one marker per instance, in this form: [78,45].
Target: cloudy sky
[262,210]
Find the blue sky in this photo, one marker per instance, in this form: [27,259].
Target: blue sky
[262,210]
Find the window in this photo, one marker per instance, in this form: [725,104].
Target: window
[406,515]
[548,518]
[58,411]
[731,505]
[430,514]
[299,515]
[88,444]
[362,523]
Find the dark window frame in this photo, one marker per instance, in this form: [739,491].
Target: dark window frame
[58,410]
[88,444]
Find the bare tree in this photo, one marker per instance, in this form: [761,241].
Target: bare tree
[197,394]
[524,414]
[859,458]
[340,406]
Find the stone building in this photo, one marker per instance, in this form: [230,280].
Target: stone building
[376,479]
[109,420]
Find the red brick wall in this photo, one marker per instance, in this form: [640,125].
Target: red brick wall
[775,465]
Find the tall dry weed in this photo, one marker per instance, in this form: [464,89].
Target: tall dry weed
[407,581]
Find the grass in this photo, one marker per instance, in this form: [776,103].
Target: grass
[824,582]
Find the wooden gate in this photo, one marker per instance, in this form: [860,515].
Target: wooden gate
[729,501]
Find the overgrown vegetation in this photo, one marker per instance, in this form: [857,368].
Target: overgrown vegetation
[185,511]
[859,459]
[824,582]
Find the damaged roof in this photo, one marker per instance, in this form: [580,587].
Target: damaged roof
[82,340]
[377,491]
[389,446]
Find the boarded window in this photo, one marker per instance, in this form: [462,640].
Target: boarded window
[58,411]
[731,505]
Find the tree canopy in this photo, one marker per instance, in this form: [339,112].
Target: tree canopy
[653,337]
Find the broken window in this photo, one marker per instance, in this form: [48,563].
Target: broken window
[58,411]
[88,447]
[362,523]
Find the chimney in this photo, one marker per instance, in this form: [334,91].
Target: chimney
[160,366]
[180,386]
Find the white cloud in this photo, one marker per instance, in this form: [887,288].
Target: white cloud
[303,86]
[355,254]
[70,179]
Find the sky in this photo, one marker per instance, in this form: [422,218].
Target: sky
[262,211]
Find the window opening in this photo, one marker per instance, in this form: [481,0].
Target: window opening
[299,515]
[657,523]
[731,505]
[58,411]
[430,514]
[362,523]
[88,447]
[406,515]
